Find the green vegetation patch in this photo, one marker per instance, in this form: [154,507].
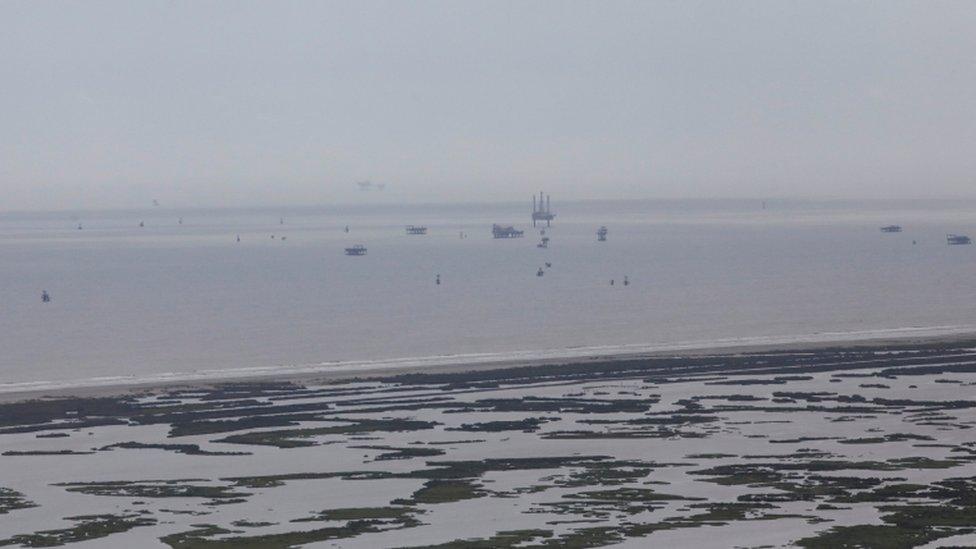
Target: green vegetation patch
[358,522]
[401,514]
[87,528]
[527,425]
[12,500]
[188,449]
[445,491]
[501,540]
[155,489]
[394,453]
[297,438]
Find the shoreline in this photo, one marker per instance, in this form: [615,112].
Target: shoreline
[378,370]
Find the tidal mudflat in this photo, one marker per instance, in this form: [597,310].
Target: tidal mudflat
[866,446]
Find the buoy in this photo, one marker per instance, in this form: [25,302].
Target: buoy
[611,282]
[238,238]
[438,280]
[626,282]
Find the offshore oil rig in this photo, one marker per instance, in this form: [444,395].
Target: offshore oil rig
[542,212]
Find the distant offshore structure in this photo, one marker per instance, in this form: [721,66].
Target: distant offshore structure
[542,212]
[497,231]
[369,185]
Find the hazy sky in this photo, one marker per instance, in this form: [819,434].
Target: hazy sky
[112,104]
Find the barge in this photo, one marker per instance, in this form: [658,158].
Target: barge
[497,231]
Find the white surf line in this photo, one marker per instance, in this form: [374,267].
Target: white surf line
[482,359]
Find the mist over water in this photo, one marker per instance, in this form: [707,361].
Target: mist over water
[171,298]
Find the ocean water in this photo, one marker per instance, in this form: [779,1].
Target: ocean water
[189,300]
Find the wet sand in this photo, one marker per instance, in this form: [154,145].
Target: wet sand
[322,374]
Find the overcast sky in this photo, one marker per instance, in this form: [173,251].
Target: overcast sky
[112,104]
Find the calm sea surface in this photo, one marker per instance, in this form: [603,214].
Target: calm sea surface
[177,299]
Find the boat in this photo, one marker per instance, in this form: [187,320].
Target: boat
[358,249]
[544,243]
[601,234]
[891,229]
[540,272]
[416,229]
[958,239]
[498,231]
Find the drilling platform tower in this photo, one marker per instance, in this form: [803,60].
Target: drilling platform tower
[542,212]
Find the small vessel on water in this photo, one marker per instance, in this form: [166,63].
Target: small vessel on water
[540,272]
[358,249]
[601,234]
[958,239]
[891,229]
[544,243]
[45,297]
[416,229]
[497,231]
